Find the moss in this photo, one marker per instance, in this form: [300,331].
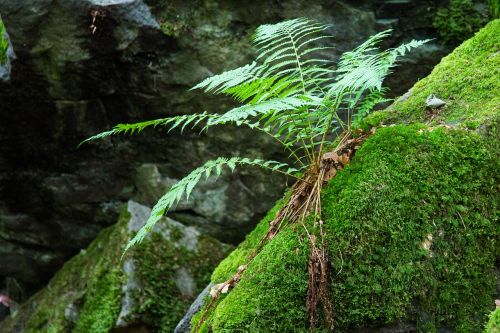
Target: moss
[270,298]
[102,304]
[91,283]
[415,220]
[88,281]
[162,303]
[173,29]
[467,80]
[459,20]
[494,6]
[102,301]
[493,325]
[225,270]
[412,235]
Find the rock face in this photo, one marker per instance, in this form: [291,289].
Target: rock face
[410,225]
[83,66]
[149,290]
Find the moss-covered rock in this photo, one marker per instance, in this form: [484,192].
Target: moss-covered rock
[467,80]
[411,224]
[152,287]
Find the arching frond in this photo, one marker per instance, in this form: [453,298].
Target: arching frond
[366,67]
[229,79]
[259,109]
[172,122]
[184,188]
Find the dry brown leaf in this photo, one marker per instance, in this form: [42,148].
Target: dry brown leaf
[330,174]
[344,159]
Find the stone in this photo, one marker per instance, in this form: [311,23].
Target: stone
[433,102]
[97,292]
[184,325]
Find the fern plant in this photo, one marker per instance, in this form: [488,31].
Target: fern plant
[291,92]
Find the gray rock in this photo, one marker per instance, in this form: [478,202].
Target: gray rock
[184,325]
[185,282]
[131,285]
[433,102]
[76,293]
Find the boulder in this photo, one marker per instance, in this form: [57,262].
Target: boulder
[410,225]
[148,289]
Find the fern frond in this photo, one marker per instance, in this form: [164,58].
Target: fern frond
[185,186]
[171,123]
[259,109]
[365,68]
[373,98]
[229,79]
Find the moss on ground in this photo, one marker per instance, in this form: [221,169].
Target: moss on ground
[467,80]
[412,223]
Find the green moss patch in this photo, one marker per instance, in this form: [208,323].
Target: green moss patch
[493,325]
[4,44]
[162,304]
[467,80]
[413,228]
[89,282]
[460,19]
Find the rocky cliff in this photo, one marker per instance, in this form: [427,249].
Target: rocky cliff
[84,65]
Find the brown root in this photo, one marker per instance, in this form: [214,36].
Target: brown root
[317,292]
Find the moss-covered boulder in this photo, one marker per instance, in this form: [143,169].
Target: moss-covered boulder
[411,224]
[150,289]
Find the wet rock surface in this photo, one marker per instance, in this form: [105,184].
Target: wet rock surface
[83,66]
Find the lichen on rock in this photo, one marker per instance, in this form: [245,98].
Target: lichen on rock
[411,223]
[151,287]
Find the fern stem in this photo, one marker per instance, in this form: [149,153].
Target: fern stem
[329,125]
[285,146]
[299,67]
